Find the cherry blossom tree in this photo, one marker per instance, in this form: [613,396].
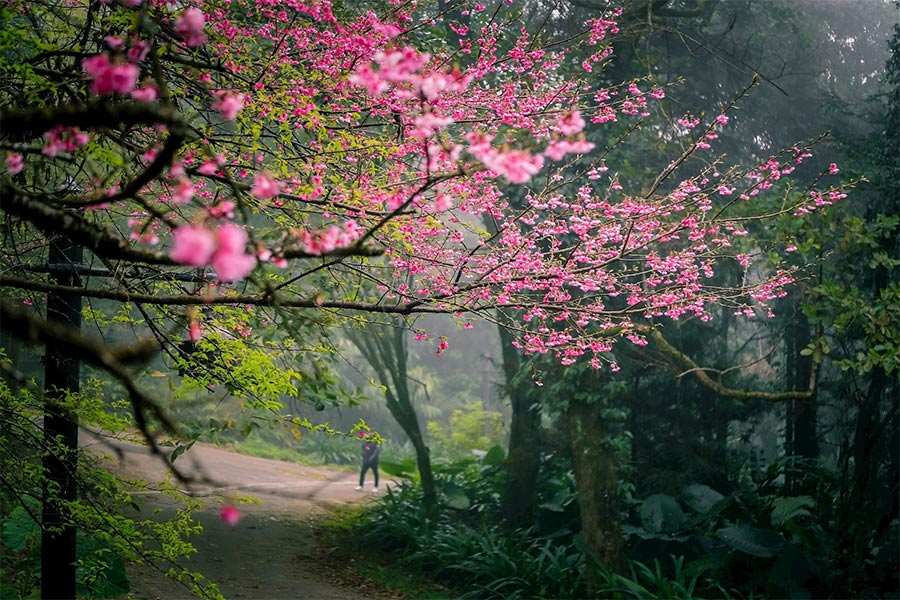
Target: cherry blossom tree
[222,162]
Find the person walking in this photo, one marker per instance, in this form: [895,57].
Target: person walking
[370,452]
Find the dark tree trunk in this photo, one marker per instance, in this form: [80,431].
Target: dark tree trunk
[801,414]
[524,455]
[386,352]
[61,377]
[595,463]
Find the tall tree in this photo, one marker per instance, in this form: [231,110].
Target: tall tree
[385,349]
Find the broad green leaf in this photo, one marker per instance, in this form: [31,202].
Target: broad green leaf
[494,457]
[455,497]
[700,498]
[660,512]
[764,543]
[785,509]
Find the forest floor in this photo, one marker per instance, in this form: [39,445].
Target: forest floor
[273,552]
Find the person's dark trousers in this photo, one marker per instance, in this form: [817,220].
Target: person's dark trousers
[366,465]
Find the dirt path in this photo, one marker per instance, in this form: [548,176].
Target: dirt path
[271,553]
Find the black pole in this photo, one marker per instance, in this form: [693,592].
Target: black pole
[61,377]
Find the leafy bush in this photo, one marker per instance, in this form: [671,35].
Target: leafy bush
[472,428]
[462,546]
[646,583]
[752,540]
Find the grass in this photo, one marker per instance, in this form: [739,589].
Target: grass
[254,446]
[380,567]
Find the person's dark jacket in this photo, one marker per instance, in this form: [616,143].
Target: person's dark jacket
[370,452]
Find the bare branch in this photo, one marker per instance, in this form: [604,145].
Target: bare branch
[687,366]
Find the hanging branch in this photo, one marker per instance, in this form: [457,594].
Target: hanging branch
[688,366]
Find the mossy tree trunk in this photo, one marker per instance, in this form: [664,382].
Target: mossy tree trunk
[524,453]
[595,461]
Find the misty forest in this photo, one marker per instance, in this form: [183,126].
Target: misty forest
[591,298]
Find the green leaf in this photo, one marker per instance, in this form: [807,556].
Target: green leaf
[455,497]
[405,469]
[101,571]
[764,543]
[661,512]
[785,509]
[700,498]
[19,530]
[494,457]
[179,451]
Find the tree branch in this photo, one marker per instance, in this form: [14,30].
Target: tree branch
[35,121]
[34,330]
[688,366]
[54,221]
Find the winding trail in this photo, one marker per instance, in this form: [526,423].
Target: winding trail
[271,554]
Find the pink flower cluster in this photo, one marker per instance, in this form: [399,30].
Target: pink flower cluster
[189,26]
[571,123]
[328,240]
[110,76]
[63,139]
[224,250]
[15,162]
[517,166]
[228,104]
[230,515]
[556,150]
[265,186]
[402,66]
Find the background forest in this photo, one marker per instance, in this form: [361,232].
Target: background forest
[728,457]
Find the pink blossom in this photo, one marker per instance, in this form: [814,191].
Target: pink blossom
[15,163]
[442,202]
[64,139]
[138,51]
[428,124]
[231,238]
[228,104]
[233,267]
[833,169]
[400,64]
[230,515]
[558,149]
[192,245]
[108,77]
[369,79]
[183,193]
[571,123]
[223,210]
[224,250]
[114,42]
[265,186]
[145,94]
[230,260]
[517,166]
[189,26]
[208,168]
[195,331]
[722,120]
[433,85]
